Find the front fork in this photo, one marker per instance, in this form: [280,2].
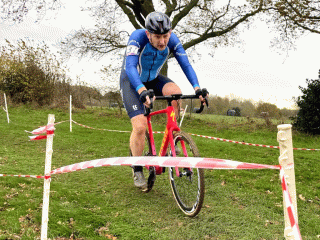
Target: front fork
[188,171]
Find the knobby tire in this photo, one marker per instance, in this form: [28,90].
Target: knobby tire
[187,190]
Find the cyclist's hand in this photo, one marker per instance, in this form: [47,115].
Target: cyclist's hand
[147,97]
[202,94]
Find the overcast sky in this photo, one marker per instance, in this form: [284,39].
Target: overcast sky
[248,71]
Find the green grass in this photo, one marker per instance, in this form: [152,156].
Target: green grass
[102,203]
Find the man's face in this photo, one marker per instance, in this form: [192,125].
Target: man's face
[159,41]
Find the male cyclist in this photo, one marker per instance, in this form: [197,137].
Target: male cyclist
[146,52]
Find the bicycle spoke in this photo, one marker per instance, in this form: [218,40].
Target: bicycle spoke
[187,184]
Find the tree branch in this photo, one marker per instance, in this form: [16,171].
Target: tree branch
[177,18]
[208,34]
[124,6]
[305,27]
[170,7]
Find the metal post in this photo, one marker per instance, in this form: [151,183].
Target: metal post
[70,113]
[184,112]
[191,108]
[46,186]
[6,109]
[287,163]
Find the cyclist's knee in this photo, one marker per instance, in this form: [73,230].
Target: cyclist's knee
[139,124]
[139,129]
[171,88]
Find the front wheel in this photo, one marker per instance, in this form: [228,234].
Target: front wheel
[188,187]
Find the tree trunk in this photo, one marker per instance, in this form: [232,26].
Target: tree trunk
[164,70]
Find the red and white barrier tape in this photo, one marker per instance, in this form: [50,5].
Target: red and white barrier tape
[208,163]
[24,176]
[82,125]
[208,137]
[231,141]
[101,129]
[61,122]
[203,136]
[307,149]
[293,221]
[37,137]
[249,144]
[49,130]
[43,129]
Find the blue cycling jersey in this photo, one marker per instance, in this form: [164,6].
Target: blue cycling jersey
[144,62]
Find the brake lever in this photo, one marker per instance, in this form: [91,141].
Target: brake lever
[199,110]
[147,110]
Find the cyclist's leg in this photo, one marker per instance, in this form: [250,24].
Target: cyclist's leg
[130,97]
[169,88]
[139,127]
[163,86]
[137,146]
[135,110]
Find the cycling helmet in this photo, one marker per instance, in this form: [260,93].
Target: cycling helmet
[158,23]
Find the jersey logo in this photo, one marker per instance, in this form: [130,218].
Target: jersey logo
[132,50]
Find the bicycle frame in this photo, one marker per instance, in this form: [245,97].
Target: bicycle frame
[168,136]
[184,179]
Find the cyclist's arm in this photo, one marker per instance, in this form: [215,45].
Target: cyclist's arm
[133,74]
[132,60]
[135,44]
[182,58]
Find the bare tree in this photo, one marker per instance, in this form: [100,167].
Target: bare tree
[16,10]
[210,22]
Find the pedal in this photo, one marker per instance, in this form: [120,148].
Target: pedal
[151,178]
[186,172]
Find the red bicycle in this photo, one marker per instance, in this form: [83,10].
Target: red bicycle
[187,184]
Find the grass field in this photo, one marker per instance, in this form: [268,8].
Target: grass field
[102,203]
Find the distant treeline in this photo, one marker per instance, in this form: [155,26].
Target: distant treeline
[246,108]
[32,75]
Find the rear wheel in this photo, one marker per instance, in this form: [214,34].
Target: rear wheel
[188,187]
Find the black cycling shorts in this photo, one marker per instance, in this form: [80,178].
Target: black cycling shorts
[130,96]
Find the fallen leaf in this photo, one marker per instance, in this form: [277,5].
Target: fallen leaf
[103,232]
[302,197]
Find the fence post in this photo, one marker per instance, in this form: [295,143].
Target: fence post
[6,107]
[184,112]
[287,163]
[70,113]
[46,186]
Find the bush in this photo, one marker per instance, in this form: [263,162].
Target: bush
[308,117]
[28,74]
